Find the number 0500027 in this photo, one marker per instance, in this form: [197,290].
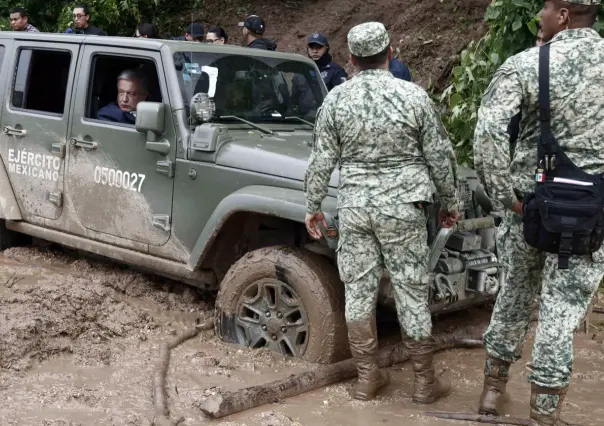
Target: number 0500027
[118,178]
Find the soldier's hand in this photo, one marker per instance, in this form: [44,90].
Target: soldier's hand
[312,224]
[517,208]
[448,219]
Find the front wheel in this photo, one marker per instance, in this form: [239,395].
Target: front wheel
[287,300]
[8,238]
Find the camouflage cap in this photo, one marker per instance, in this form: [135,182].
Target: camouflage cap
[368,39]
[585,2]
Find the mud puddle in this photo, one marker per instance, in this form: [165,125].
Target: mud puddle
[79,340]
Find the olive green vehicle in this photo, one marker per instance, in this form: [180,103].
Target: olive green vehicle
[207,186]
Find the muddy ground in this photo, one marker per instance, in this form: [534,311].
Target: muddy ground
[79,339]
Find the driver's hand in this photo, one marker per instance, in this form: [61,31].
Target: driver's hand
[448,219]
[312,224]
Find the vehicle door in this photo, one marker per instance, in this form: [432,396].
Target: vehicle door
[35,117]
[117,186]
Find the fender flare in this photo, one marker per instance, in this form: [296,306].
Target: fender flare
[9,208]
[277,202]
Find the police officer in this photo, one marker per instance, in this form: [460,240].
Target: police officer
[392,147]
[399,70]
[318,51]
[576,107]
[253,31]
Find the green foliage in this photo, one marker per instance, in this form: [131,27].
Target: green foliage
[116,17]
[512,28]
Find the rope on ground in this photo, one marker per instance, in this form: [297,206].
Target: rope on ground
[160,396]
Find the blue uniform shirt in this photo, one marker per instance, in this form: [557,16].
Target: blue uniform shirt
[399,70]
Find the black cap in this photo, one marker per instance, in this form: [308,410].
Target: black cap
[254,23]
[195,30]
[317,38]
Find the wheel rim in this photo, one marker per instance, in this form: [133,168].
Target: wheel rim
[271,315]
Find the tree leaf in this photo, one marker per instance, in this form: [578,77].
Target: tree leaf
[454,100]
[516,25]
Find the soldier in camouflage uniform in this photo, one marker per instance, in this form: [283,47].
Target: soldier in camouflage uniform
[577,120]
[392,148]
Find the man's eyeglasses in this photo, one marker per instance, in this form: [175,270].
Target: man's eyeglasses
[78,15]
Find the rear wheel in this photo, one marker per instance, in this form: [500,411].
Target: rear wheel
[287,300]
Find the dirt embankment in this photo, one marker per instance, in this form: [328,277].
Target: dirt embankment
[426,33]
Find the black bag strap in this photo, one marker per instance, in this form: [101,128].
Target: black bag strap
[548,145]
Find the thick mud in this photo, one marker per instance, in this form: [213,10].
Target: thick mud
[79,340]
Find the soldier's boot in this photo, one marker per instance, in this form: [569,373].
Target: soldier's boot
[364,346]
[493,390]
[427,388]
[544,416]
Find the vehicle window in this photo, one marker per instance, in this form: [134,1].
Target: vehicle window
[40,81]
[117,84]
[254,88]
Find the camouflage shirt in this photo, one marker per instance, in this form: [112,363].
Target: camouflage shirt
[389,140]
[577,114]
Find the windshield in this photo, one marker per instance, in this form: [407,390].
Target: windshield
[257,89]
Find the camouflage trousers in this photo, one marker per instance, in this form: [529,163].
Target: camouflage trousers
[394,238]
[565,297]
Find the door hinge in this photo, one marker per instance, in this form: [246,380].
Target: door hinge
[165,167]
[58,149]
[162,221]
[56,197]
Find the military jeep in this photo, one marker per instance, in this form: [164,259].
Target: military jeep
[205,188]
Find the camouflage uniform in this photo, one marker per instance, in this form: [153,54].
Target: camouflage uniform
[577,120]
[392,150]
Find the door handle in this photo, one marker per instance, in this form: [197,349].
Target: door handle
[80,143]
[8,130]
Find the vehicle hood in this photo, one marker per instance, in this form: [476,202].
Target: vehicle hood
[283,154]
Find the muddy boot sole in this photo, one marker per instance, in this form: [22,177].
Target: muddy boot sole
[367,393]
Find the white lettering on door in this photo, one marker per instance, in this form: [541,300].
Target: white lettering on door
[38,166]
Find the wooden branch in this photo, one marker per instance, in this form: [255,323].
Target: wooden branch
[160,397]
[227,403]
[479,418]
[598,310]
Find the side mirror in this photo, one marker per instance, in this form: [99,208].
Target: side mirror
[151,119]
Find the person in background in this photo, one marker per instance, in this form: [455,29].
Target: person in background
[253,30]
[318,50]
[217,35]
[399,70]
[147,30]
[81,22]
[194,32]
[132,88]
[19,21]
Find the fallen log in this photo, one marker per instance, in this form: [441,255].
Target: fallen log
[478,418]
[227,403]
[160,396]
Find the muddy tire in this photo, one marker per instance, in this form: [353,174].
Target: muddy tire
[8,238]
[285,299]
